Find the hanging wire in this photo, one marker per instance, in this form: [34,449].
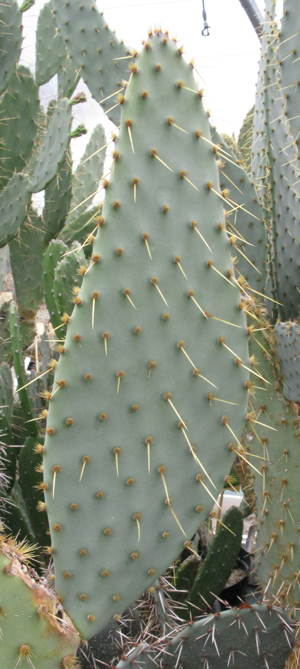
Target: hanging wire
[206,27]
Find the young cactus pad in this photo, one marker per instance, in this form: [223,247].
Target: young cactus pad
[152,385]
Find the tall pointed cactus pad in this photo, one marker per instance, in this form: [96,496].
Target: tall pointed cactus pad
[95,50]
[287,341]
[152,393]
[257,635]
[35,630]
[10,40]
[244,217]
[19,111]
[272,433]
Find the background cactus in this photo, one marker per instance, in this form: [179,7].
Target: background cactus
[155,391]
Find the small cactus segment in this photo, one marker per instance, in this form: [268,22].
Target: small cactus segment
[272,432]
[50,46]
[244,224]
[67,78]
[287,341]
[26,403]
[26,255]
[11,40]
[96,52]
[257,635]
[151,384]
[82,227]
[8,463]
[245,140]
[26,4]
[35,630]
[53,255]
[57,200]
[4,259]
[53,149]
[68,275]
[30,475]
[14,201]
[6,401]
[18,128]
[214,572]
[289,64]
[88,174]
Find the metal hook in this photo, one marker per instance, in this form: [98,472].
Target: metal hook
[206,27]
[205,31]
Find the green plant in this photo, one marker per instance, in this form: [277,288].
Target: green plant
[155,391]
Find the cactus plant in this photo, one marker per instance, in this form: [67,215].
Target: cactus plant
[214,641]
[132,372]
[149,398]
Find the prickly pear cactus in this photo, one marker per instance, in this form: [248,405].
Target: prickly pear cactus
[151,387]
[34,627]
[257,634]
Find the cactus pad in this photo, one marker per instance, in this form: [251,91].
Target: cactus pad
[14,201]
[50,46]
[287,339]
[53,149]
[11,40]
[236,637]
[43,636]
[137,436]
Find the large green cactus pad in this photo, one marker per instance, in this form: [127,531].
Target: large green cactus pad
[134,421]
